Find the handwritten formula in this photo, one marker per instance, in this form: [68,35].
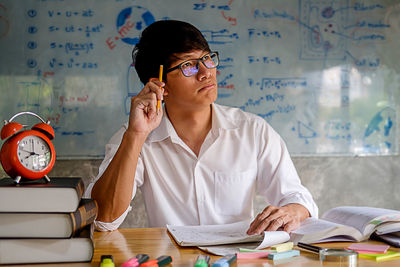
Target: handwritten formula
[324,74]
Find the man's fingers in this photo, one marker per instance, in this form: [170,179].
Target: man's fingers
[155,89]
[146,103]
[290,226]
[153,86]
[258,220]
[271,219]
[269,224]
[262,225]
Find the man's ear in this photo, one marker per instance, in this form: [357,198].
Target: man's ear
[165,90]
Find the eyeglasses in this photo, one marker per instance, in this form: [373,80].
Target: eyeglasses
[191,67]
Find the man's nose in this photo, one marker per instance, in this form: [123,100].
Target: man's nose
[203,72]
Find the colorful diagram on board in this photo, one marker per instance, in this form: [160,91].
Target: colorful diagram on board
[379,136]
[131,21]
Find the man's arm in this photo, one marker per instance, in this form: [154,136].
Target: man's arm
[113,190]
[280,184]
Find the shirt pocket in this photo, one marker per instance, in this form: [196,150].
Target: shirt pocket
[234,192]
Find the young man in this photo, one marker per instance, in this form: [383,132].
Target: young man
[196,162]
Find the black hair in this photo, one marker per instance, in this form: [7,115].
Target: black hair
[160,41]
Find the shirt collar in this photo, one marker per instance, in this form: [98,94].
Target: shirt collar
[220,121]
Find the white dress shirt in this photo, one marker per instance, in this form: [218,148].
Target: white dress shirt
[240,157]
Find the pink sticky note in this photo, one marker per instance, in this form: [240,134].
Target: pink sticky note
[369,248]
[252,255]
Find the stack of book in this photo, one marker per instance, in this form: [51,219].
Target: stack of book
[44,222]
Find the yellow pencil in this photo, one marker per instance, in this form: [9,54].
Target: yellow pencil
[160,78]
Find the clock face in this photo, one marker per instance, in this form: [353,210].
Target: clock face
[33,153]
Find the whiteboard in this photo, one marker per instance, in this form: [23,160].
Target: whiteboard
[324,74]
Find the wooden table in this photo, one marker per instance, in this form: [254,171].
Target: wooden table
[126,243]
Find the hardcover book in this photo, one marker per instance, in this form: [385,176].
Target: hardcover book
[58,195]
[78,248]
[47,225]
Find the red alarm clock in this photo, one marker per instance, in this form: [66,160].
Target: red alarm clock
[27,153]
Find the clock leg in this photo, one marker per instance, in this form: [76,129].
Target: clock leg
[17,179]
[47,178]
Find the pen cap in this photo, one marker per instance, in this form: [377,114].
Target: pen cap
[230,258]
[142,258]
[202,261]
[203,257]
[103,257]
[164,260]
[107,261]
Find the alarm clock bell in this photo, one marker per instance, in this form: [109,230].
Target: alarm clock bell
[27,153]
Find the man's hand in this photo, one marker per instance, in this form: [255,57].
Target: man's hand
[144,116]
[286,218]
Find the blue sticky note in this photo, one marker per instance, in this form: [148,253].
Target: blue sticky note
[283,255]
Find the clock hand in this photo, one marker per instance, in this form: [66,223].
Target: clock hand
[31,154]
[27,151]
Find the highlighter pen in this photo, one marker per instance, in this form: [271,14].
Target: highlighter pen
[309,247]
[160,261]
[202,261]
[160,78]
[107,261]
[150,263]
[142,258]
[136,261]
[225,261]
[164,260]
[133,262]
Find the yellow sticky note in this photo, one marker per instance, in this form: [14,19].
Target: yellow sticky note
[283,247]
[381,256]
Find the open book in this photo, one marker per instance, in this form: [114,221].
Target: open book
[226,238]
[349,223]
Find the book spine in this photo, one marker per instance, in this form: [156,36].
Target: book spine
[80,188]
[84,215]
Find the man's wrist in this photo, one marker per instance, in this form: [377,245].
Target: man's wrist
[134,137]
